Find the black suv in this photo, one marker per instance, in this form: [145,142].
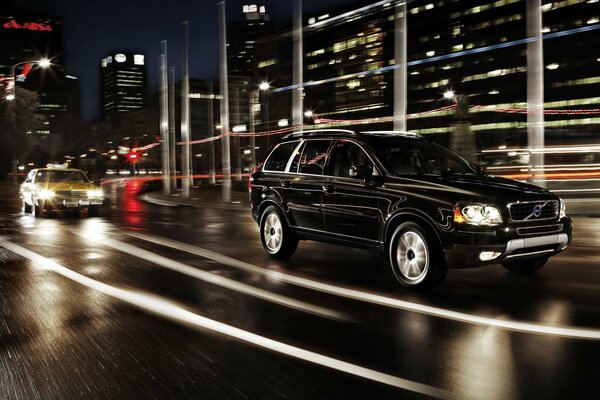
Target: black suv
[422,205]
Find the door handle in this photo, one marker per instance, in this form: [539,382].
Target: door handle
[285,184]
[328,188]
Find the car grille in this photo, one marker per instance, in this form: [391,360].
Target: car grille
[533,210]
[539,230]
[71,194]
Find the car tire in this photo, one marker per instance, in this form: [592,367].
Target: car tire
[37,210]
[26,207]
[525,267]
[414,260]
[93,211]
[275,235]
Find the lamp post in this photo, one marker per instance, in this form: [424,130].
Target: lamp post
[43,63]
[11,96]
[264,87]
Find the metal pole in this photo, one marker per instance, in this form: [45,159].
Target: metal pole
[297,93]
[211,132]
[225,146]
[237,142]
[172,146]
[252,100]
[185,119]
[535,90]
[164,120]
[400,88]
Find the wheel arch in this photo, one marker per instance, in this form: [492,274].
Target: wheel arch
[411,216]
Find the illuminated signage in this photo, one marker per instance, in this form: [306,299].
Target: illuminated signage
[250,8]
[30,26]
[138,59]
[120,57]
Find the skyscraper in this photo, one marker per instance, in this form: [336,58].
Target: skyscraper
[123,84]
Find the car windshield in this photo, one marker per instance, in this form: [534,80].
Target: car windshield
[61,176]
[406,157]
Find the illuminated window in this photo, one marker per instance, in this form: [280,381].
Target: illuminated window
[266,63]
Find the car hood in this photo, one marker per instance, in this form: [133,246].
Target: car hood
[470,187]
[58,186]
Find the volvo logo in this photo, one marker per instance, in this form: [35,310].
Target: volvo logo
[537,210]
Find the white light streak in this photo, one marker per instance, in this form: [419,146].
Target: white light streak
[579,333]
[173,311]
[219,280]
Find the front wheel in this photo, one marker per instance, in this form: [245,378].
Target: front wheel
[37,209]
[525,266]
[415,263]
[93,211]
[26,207]
[275,235]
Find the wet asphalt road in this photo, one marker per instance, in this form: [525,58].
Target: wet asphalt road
[108,308]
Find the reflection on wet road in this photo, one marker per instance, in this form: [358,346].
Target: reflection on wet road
[162,302]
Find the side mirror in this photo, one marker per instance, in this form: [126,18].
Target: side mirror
[361,172]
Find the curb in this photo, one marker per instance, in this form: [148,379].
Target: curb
[162,200]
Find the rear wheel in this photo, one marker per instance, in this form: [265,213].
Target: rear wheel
[414,262]
[525,266]
[275,235]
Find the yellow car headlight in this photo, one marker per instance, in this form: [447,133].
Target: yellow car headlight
[95,193]
[46,194]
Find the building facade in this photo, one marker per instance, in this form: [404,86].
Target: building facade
[124,85]
[467,62]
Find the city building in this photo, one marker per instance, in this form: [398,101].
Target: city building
[26,39]
[467,63]
[124,85]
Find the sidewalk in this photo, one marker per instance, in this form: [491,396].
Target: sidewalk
[202,196]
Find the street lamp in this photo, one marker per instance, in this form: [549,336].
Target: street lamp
[264,87]
[43,63]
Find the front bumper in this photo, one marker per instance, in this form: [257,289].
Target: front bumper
[69,204]
[508,248]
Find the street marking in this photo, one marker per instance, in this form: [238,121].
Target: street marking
[220,280]
[162,307]
[571,332]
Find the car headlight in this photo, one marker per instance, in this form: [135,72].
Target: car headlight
[477,214]
[46,194]
[563,209]
[95,193]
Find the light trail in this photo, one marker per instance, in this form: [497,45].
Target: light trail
[578,333]
[219,280]
[164,308]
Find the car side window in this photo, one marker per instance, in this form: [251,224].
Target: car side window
[345,155]
[313,157]
[279,158]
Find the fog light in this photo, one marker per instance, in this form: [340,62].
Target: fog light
[488,255]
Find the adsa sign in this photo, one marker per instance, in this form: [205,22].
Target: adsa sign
[30,26]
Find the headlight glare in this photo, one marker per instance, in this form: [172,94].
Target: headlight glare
[477,214]
[46,194]
[95,193]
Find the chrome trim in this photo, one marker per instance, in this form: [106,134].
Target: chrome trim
[560,240]
[557,228]
[533,253]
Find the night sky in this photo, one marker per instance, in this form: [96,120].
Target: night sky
[93,29]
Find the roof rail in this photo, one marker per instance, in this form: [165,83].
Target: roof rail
[392,133]
[318,132]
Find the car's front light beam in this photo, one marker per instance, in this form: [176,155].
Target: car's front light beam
[477,214]
[46,194]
